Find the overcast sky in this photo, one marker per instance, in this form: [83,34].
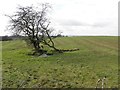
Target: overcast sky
[72,17]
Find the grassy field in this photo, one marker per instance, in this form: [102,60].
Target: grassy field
[97,58]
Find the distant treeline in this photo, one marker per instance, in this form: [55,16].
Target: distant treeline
[8,38]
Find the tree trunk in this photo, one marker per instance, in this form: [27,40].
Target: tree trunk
[37,47]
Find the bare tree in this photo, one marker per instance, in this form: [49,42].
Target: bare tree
[34,24]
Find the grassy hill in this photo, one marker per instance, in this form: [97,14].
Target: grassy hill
[97,58]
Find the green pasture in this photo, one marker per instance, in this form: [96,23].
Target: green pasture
[96,59]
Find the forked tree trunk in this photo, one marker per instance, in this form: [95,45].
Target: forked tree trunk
[38,48]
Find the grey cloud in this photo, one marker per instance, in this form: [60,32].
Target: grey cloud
[72,23]
[78,23]
[101,24]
